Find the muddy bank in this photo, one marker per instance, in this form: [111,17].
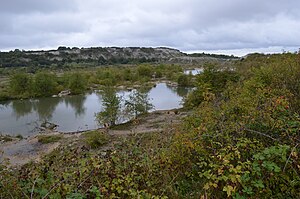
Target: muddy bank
[19,152]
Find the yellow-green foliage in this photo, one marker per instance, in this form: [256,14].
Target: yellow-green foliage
[131,169]
[245,142]
[95,139]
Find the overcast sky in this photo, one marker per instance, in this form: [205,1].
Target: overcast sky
[224,26]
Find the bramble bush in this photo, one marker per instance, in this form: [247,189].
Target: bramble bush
[131,169]
[244,142]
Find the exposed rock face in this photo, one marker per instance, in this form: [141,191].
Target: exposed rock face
[110,53]
[99,56]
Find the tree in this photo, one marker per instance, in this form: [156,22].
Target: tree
[111,107]
[144,71]
[77,83]
[138,103]
[21,84]
[44,84]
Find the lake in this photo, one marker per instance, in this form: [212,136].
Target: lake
[73,113]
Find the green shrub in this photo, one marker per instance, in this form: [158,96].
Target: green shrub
[184,80]
[145,71]
[77,83]
[44,84]
[244,141]
[21,84]
[4,95]
[212,81]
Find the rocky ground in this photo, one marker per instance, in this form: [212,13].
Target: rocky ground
[18,152]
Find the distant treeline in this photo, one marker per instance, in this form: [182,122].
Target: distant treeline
[213,55]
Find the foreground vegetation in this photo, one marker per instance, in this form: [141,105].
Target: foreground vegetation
[241,140]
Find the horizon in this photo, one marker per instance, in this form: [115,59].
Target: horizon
[231,52]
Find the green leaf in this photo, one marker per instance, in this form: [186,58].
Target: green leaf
[258,184]
[229,189]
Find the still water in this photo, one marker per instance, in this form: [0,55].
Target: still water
[72,113]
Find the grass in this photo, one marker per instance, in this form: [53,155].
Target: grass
[46,139]
[95,139]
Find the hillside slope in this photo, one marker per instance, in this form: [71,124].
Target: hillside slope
[102,56]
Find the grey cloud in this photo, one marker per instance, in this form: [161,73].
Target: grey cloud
[28,6]
[58,23]
[184,24]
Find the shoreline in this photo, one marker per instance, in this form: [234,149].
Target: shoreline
[22,151]
[8,98]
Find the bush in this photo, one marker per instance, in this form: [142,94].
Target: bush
[144,71]
[77,83]
[44,84]
[4,96]
[243,142]
[184,80]
[212,81]
[130,169]
[21,85]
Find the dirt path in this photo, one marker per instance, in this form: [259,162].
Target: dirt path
[29,149]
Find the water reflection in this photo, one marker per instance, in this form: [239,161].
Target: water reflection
[21,108]
[77,103]
[74,112]
[165,97]
[182,91]
[4,104]
[172,88]
[45,107]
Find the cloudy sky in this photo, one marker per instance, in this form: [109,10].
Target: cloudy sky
[219,26]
